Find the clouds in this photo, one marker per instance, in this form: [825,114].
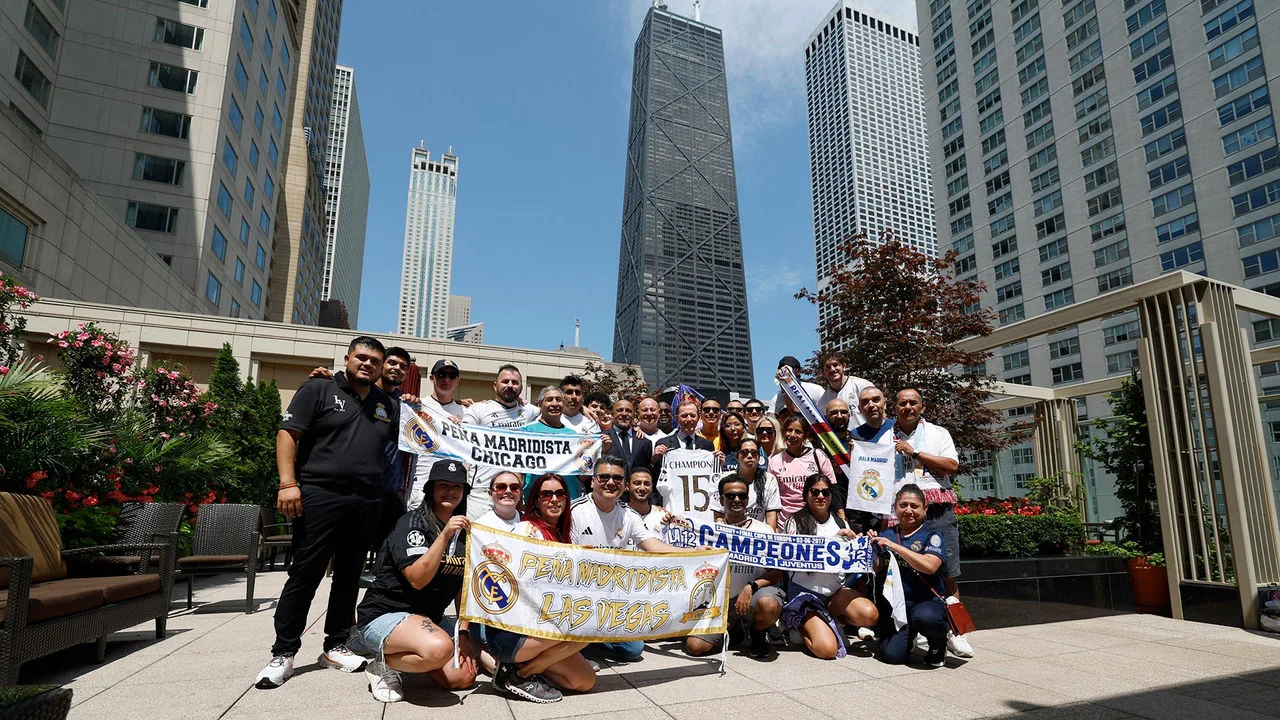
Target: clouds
[767,285]
[764,53]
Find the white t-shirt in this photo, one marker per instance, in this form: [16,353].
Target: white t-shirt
[825,584]
[580,423]
[813,391]
[617,528]
[492,413]
[493,520]
[654,438]
[756,506]
[740,575]
[422,463]
[929,439]
[848,393]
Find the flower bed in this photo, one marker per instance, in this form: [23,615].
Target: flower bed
[1015,527]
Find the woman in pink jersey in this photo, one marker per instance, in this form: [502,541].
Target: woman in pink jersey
[795,463]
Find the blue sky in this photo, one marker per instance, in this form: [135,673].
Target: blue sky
[534,99]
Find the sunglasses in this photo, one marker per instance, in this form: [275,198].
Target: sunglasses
[710,410]
[820,492]
[550,494]
[754,410]
[610,478]
[734,496]
[506,487]
[447,376]
[765,431]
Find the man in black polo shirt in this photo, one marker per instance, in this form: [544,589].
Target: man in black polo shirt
[329,452]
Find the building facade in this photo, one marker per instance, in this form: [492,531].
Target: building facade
[459,310]
[346,207]
[868,152]
[1079,147]
[428,244]
[297,269]
[162,110]
[682,306]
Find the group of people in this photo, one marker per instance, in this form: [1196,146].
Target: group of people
[349,488]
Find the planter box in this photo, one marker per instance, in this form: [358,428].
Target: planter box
[1029,591]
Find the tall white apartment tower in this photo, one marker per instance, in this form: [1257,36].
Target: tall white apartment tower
[346,187]
[868,149]
[428,244]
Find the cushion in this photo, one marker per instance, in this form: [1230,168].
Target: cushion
[197,561]
[28,528]
[55,598]
[116,589]
[278,539]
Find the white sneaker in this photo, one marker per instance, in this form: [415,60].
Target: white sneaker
[865,634]
[384,683]
[275,673]
[959,646]
[922,643]
[343,659]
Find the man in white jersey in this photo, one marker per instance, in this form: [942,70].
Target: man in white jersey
[440,403]
[647,413]
[505,411]
[573,416]
[599,520]
[836,384]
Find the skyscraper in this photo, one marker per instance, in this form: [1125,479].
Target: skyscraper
[165,110]
[682,305]
[346,186]
[868,152]
[428,244]
[297,268]
[1080,147]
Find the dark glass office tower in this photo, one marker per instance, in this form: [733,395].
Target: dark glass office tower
[682,304]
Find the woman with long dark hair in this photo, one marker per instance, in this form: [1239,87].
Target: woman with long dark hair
[763,503]
[732,429]
[796,462]
[529,666]
[820,601]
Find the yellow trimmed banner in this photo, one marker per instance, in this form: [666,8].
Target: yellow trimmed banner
[567,592]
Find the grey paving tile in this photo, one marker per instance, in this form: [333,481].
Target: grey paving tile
[771,705]
[1164,705]
[878,699]
[188,699]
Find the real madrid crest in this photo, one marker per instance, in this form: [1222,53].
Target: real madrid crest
[492,585]
[869,485]
[418,431]
[380,412]
[702,598]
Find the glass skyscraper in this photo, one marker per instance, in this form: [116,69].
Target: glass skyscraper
[428,245]
[346,207]
[682,306]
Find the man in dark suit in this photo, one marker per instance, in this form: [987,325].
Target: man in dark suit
[636,451]
[685,437]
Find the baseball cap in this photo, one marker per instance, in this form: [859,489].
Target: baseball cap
[442,364]
[449,471]
[789,361]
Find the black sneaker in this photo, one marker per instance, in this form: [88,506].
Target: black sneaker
[501,675]
[533,688]
[736,635]
[935,657]
[760,647]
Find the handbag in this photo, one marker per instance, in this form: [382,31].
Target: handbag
[958,617]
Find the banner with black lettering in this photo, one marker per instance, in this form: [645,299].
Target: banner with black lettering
[424,433]
[688,483]
[870,472]
[808,553]
[567,592]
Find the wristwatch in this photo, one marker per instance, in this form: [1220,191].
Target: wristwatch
[754,587]
[915,455]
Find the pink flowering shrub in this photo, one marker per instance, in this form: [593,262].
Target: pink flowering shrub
[99,367]
[12,325]
[173,401]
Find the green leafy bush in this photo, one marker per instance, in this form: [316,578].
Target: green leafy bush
[87,526]
[1012,535]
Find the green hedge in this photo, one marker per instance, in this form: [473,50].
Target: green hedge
[1019,535]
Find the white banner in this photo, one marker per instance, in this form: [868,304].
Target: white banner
[808,553]
[566,592]
[688,483]
[424,433]
[870,472]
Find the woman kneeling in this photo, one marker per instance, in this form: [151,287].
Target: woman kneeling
[420,571]
[920,550]
[820,601]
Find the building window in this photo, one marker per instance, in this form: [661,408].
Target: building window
[1108,254]
[213,289]
[1249,135]
[269,187]
[1172,200]
[42,30]
[235,308]
[1259,231]
[1253,166]
[242,77]
[273,152]
[224,199]
[282,90]
[1181,257]
[1166,144]
[239,272]
[1011,314]
[30,77]
[1059,349]
[258,117]
[264,221]
[1015,360]
[173,32]
[253,154]
[1240,107]
[1239,76]
[1115,279]
[277,119]
[1233,48]
[1006,269]
[157,218]
[1054,249]
[229,157]
[1009,292]
[158,169]
[172,77]
[1228,19]
[249,192]
[164,122]
[1256,198]
[219,244]
[260,259]
[263,83]
[1122,362]
[1169,172]
[246,36]
[255,294]
[1067,373]
[13,239]
[1161,117]
[244,232]
[1055,274]
[196,3]
[1131,330]
[284,55]
[1260,264]
[1059,298]
[1149,96]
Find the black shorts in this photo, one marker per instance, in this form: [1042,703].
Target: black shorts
[943,519]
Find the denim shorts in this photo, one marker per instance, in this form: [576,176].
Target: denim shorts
[376,632]
[504,644]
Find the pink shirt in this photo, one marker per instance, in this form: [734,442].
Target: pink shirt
[791,472]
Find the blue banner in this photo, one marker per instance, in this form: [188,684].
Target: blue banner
[807,553]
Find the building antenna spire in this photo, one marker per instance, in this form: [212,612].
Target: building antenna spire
[697,10]
[577,330]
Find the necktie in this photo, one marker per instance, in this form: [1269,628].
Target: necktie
[688,443]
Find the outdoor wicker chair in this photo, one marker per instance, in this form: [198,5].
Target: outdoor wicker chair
[226,540]
[137,523]
[276,537]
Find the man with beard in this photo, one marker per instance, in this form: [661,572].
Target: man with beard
[665,420]
[836,384]
[878,428]
[837,413]
[504,411]
[330,453]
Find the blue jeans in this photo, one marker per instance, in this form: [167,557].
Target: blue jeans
[927,618]
[628,651]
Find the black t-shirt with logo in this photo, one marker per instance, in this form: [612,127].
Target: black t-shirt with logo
[343,437]
[391,591]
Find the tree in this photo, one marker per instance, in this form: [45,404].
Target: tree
[247,417]
[625,384]
[896,316]
[1124,449]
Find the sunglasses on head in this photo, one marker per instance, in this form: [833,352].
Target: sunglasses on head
[734,496]
[820,492]
[549,494]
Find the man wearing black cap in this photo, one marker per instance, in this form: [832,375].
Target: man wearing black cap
[440,403]
[330,456]
[780,402]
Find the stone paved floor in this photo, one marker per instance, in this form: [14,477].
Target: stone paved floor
[1129,666]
